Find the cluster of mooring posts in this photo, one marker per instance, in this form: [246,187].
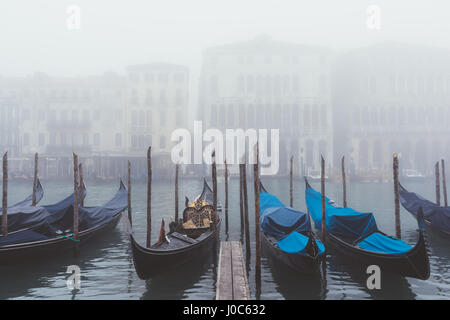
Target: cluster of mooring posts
[77,182]
[232,275]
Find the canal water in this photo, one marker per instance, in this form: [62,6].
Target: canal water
[107,270]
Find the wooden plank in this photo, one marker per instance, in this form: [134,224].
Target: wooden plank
[225,277]
[232,281]
[240,284]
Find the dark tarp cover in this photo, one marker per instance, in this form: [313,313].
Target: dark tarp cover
[439,217]
[88,216]
[278,221]
[94,216]
[22,237]
[342,222]
[28,201]
[380,243]
[64,208]
[26,217]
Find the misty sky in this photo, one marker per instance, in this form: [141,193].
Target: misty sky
[114,34]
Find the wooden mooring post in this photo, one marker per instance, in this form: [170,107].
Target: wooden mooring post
[245,199]
[438,187]
[80,169]
[291,183]
[149,196]
[75,197]
[257,218]
[33,201]
[444,183]
[232,283]
[344,183]
[398,232]
[214,182]
[322,189]
[226,196]
[5,195]
[129,192]
[176,192]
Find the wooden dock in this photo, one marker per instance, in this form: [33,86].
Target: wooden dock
[232,281]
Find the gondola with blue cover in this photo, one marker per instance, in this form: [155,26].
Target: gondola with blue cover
[48,230]
[356,235]
[437,218]
[287,235]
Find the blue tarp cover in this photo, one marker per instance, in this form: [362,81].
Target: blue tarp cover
[278,221]
[342,222]
[438,216]
[26,217]
[293,243]
[380,243]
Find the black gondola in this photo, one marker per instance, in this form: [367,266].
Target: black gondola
[54,234]
[188,239]
[355,235]
[437,218]
[287,235]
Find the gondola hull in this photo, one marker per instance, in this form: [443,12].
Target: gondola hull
[414,264]
[303,264]
[150,262]
[24,252]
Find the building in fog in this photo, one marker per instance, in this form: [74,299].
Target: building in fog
[105,119]
[157,100]
[392,98]
[263,83]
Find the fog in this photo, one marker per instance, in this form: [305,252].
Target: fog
[114,35]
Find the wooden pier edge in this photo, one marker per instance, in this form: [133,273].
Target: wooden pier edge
[232,282]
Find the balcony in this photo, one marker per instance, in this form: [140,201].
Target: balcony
[65,125]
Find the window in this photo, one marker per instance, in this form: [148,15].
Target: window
[118,140]
[86,115]
[85,139]
[163,98]
[141,118]
[178,77]
[63,139]
[41,139]
[148,98]
[162,142]
[162,117]
[149,118]
[96,139]
[52,139]
[134,118]
[178,98]
[97,115]
[75,115]
[26,139]
[64,115]
[149,77]
[163,77]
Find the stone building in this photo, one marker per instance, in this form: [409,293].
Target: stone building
[392,98]
[270,84]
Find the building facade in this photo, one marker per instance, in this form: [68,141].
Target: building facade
[392,98]
[105,119]
[268,84]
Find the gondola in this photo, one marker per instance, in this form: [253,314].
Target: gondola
[356,235]
[287,235]
[437,218]
[188,239]
[55,234]
[28,201]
